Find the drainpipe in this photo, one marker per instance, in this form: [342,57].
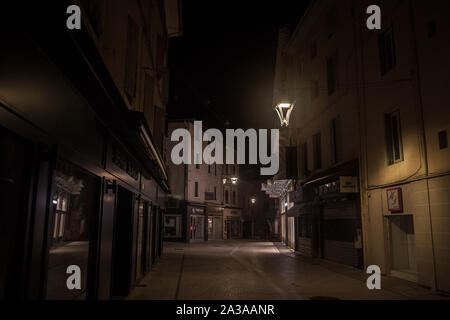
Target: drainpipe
[423,133]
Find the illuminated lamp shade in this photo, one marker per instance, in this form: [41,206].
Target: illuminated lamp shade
[234,180]
[284,110]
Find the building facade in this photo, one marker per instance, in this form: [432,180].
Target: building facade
[82,125]
[204,202]
[367,145]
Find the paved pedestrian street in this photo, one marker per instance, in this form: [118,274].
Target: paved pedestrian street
[251,270]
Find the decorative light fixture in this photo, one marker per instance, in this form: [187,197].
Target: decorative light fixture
[224,181]
[253,200]
[234,180]
[284,110]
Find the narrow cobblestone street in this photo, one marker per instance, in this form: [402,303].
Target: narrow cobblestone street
[246,270]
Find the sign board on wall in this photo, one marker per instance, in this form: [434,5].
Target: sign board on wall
[349,184]
[395,200]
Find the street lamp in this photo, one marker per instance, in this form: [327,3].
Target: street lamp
[284,110]
[234,180]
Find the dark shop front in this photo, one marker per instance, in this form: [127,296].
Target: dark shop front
[81,181]
[328,218]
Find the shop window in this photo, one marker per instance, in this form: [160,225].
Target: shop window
[305,226]
[394,143]
[75,206]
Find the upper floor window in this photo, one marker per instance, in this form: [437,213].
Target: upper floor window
[196,189]
[317,151]
[226,196]
[443,140]
[386,44]
[332,75]
[394,142]
[336,148]
[131,61]
[331,22]
[313,49]
[304,163]
[431,28]
[315,89]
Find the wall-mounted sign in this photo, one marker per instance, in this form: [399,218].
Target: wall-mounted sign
[348,184]
[395,200]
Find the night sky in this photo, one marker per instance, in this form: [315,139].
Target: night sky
[222,68]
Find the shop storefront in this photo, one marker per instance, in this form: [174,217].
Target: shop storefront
[79,184]
[197,226]
[215,222]
[232,226]
[329,224]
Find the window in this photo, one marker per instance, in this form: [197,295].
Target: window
[215,169]
[209,168]
[314,89]
[443,140]
[197,160]
[331,22]
[304,163]
[234,197]
[336,148]
[215,193]
[386,45]
[196,189]
[313,49]
[159,127]
[149,111]
[131,62]
[75,203]
[332,74]
[226,196]
[160,55]
[431,28]
[393,138]
[291,163]
[317,151]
